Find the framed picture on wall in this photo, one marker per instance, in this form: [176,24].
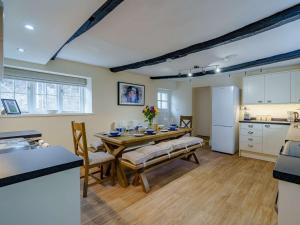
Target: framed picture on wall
[131,94]
[11,106]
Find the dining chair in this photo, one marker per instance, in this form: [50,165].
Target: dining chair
[91,159]
[186,122]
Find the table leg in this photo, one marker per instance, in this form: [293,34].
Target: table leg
[121,175]
[116,151]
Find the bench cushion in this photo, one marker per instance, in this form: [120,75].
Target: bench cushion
[146,153]
[185,141]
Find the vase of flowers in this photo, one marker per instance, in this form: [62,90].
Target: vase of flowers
[149,113]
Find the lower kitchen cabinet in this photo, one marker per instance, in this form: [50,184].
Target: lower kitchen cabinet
[273,138]
[262,141]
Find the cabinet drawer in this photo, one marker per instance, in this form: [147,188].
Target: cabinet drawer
[276,126]
[254,147]
[254,126]
[250,139]
[251,132]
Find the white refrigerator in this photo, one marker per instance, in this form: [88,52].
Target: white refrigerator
[225,116]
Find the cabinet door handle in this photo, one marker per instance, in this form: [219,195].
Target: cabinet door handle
[250,139]
[251,146]
[269,101]
[259,101]
[250,126]
[250,132]
[267,126]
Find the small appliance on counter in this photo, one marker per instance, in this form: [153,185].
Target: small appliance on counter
[293,116]
[247,115]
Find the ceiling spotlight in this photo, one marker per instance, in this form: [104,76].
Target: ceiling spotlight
[21,50]
[29,27]
[190,74]
[218,70]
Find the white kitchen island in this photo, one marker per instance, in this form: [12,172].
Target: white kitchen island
[40,187]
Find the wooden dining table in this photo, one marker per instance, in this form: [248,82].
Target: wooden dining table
[117,145]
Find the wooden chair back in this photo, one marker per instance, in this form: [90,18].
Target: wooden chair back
[186,121]
[80,141]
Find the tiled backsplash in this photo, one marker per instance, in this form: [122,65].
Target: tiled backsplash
[276,111]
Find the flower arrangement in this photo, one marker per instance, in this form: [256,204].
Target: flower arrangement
[149,113]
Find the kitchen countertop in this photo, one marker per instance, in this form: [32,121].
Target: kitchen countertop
[287,168]
[279,122]
[22,165]
[20,134]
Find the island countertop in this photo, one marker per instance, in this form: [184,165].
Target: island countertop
[293,132]
[24,165]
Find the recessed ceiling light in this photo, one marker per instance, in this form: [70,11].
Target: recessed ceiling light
[29,27]
[21,50]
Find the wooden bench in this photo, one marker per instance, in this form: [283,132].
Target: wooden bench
[140,168]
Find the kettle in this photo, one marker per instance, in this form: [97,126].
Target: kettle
[293,116]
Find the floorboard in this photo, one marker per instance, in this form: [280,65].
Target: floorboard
[222,190]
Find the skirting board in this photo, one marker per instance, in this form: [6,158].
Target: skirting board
[258,155]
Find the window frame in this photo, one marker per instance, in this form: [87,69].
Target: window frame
[32,96]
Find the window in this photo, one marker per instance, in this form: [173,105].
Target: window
[16,89]
[39,97]
[162,100]
[163,104]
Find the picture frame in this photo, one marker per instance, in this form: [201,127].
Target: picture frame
[11,106]
[130,94]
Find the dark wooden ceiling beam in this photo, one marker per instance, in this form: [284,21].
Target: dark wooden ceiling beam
[97,16]
[259,62]
[268,23]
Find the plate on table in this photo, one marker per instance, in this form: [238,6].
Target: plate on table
[114,135]
[139,135]
[164,130]
[150,134]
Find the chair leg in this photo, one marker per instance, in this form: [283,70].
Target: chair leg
[85,182]
[108,170]
[101,172]
[113,172]
[145,183]
[195,158]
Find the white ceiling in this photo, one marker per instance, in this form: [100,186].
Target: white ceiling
[54,21]
[141,29]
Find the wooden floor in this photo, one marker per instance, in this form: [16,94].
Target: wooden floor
[222,190]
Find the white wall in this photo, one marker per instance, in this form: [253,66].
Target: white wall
[202,111]
[182,100]
[56,129]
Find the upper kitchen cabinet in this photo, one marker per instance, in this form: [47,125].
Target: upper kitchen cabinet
[295,87]
[253,90]
[272,88]
[278,88]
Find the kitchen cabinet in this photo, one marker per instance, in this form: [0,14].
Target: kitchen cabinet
[295,87]
[265,139]
[273,138]
[275,88]
[254,90]
[251,137]
[278,88]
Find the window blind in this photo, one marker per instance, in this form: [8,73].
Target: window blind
[21,74]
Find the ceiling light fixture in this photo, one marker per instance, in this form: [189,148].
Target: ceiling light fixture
[21,50]
[218,70]
[190,73]
[29,27]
